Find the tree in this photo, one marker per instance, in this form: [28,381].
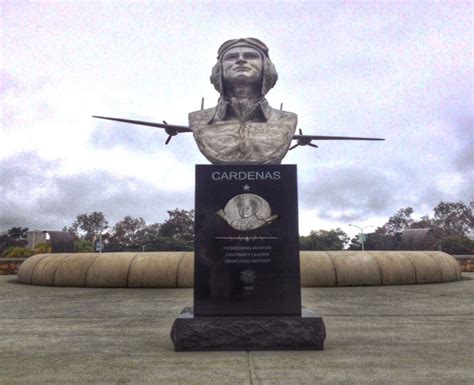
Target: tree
[400,221]
[179,225]
[17,233]
[16,236]
[150,233]
[334,239]
[91,225]
[455,219]
[454,244]
[451,224]
[425,222]
[132,234]
[128,231]
[380,239]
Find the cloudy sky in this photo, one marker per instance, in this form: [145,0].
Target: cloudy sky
[399,71]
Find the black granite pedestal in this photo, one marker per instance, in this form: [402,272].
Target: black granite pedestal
[247,291]
[191,333]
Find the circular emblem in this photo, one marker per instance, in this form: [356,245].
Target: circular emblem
[247,276]
[247,212]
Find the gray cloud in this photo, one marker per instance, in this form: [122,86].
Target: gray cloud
[34,197]
[400,72]
[464,160]
[7,82]
[12,110]
[112,134]
[109,134]
[354,193]
[348,193]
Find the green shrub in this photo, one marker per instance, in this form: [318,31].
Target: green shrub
[457,245]
[17,252]
[83,246]
[42,248]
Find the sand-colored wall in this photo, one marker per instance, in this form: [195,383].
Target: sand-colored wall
[176,269]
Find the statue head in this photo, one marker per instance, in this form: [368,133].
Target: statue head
[268,75]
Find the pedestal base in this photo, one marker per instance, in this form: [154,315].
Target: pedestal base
[190,333]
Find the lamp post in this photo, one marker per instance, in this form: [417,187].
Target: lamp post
[361,234]
[101,229]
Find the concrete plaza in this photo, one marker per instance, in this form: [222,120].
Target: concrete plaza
[410,334]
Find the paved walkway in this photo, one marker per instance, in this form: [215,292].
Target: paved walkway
[412,334]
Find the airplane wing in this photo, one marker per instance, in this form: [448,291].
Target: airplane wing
[326,137]
[172,127]
[305,140]
[172,130]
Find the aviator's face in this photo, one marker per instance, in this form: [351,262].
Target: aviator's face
[246,209]
[242,62]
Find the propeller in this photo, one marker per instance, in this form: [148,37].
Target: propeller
[171,132]
[303,141]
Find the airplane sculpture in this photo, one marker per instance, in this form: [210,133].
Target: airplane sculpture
[173,130]
[242,128]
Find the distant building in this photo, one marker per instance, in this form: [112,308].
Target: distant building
[416,239]
[60,241]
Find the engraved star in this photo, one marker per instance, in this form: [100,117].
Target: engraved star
[246,187]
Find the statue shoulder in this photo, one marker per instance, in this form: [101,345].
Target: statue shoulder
[284,116]
[201,115]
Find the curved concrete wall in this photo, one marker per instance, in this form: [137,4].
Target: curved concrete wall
[176,269]
[317,267]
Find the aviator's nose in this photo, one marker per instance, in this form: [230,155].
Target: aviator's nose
[241,60]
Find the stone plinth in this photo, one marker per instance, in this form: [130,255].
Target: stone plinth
[240,333]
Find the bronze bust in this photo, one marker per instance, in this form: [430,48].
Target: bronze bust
[243,128]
